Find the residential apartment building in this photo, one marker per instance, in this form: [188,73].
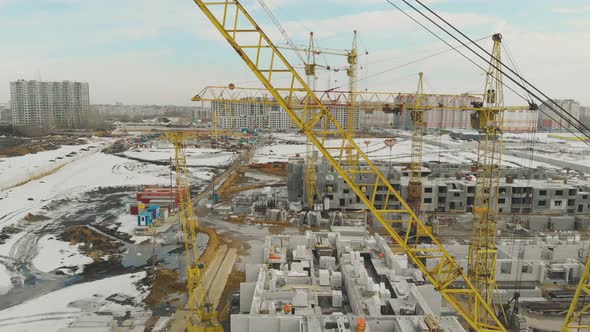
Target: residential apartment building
[253,115]
[550,121]
[49,104]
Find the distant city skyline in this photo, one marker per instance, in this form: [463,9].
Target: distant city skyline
[162,53]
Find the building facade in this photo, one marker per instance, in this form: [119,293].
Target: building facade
[549,121]
[252,115]
[49,104]
[451,189]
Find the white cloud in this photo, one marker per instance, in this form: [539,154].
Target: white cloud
[556,62]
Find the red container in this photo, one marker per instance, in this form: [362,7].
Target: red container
[134,210]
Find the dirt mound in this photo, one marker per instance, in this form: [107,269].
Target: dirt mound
[94,244]
[163,284]
[32,217]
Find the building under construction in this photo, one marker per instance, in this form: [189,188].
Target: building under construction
[342,279]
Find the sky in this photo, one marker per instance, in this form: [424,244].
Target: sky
[165,51]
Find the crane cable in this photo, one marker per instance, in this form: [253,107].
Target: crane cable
[452,48]
[579,128]
[282,30]
[479,66]
[501,64]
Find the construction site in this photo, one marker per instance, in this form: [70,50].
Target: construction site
[300,209]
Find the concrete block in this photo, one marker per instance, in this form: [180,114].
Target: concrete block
[290,324]
[563,223]
[252,272]
[324,278]
[263,323]
[246,296]
[537,223]
[337,299]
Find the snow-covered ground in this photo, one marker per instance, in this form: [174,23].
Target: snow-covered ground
[457,151]
[128,224]
[194,156]
[5,283]
[71,187]
[53,253]
[55,310]
[90,172]
[14,170]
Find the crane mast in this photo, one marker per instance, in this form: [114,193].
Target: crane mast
[202,316]
[280,78]
[352,72]
[309,112]
[489,121]
[575,319]
[417,117]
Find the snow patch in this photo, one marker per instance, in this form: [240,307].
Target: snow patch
[5,283]
[54,254]
[57,309]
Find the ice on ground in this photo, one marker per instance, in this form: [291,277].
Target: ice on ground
[57,309]
[128,225]
[53,254]
[91,172]
[194,156]
[14,170]
[5,283]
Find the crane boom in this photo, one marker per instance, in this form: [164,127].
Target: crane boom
[280,78]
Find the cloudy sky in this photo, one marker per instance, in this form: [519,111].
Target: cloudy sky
[164,51]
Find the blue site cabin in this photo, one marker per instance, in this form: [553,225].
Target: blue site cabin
[145,219]
[154,210]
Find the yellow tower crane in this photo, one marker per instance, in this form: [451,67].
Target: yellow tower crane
[489,121]
[576,319]
[417,117]
[202,316]
[252,44]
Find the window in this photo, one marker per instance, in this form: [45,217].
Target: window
[542,203]
[346,191]
[342,202]
[572,192]
[471,190]
[506,267]
[571,202]
[501,200]
[427,200]
[584,196]
[559,192]
[527,269]
[543,192]
[442,189]
[428,190]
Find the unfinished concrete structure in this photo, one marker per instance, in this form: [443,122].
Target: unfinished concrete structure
[532,262]
[451,187]
[337,280]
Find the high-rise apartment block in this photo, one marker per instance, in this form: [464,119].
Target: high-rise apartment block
[550,121]
[49,104]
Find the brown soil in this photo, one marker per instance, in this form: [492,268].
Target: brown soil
[32,218]
[95,245]
[13,146]
[276,168]
[163,285]
[233,283]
